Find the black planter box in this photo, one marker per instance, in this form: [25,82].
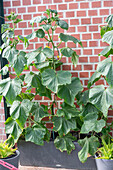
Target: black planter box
[48,156]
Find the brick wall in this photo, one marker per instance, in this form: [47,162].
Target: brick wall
[84,18]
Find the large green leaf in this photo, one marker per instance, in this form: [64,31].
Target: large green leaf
[74,59]
[66,51]
[32,79]
[105,67]
[48,52]
[10,88]
[95,77]
[20,111]
[108,38]
[20,63]
[69,91]
[10,54]
[31,36]
[12,127]
[63,24]
[92,124]
[35,134]
[38,112]
[40,33]
[46,27]
[87,147]
[53,79]
[65,143]
[62,125]
[106,51]
[102,98]
[65,38]
[38,19]
[67,111]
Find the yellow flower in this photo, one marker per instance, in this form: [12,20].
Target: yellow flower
[47,46]
[58,56]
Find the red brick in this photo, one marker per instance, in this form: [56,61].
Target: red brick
[39,45]
[26,2]
[86,36]
[70,14]
[36,1]
[71,29]
[84,5]
[32,9]
[52,7]
[81,28]
[88,67]
[93,43]
[27,31]
[7,3]
[108,3]
[93,59]
[47,1]
[21,10]
[96,4]
[18,32]
[76,36]
[74,21]
[57,1]
[19,46]
[66,67]
[92,12]
[11,10]
[16,3]
[84,74]
[85,21]
[97,51]
[81,13]
[93,28]
[71,45]
[83,43]
[103,44]
[96,36]
[27,17]
[37,97]
[74,74]
[87,51]
[41,8]
[97,20]
[62,7]
[99,82]
[104,11]
[78,68]
[110,112]
[73,6]
[83,59]
[22,25]
[59,30]
[68,0]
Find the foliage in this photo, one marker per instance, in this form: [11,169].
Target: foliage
[106,151]
[6,150]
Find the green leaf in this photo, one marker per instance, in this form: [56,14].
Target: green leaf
[35,134]
[46,27]
[20,111]
[40,33]
[83,97]
[42,65]
[106,51]
[31,36]
[62,125]
[4,70]
[66,51]
[4,27]
[75,59]
[32,80]
[10,88]
[48,52]
[66,38]
[38,112]
[53,79]
[102,98]
[12,127]
[69,91]
[20,63]
[10,54]
[87,147]
[17,20]
[63,24]
[108,37]
[38,19]
[91,124]
[109,20]
[65,143]
[67,111]
[105,67]
[89,109]
[95,77]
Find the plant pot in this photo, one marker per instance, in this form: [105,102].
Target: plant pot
[13,160]
[104,164]
[49,156]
